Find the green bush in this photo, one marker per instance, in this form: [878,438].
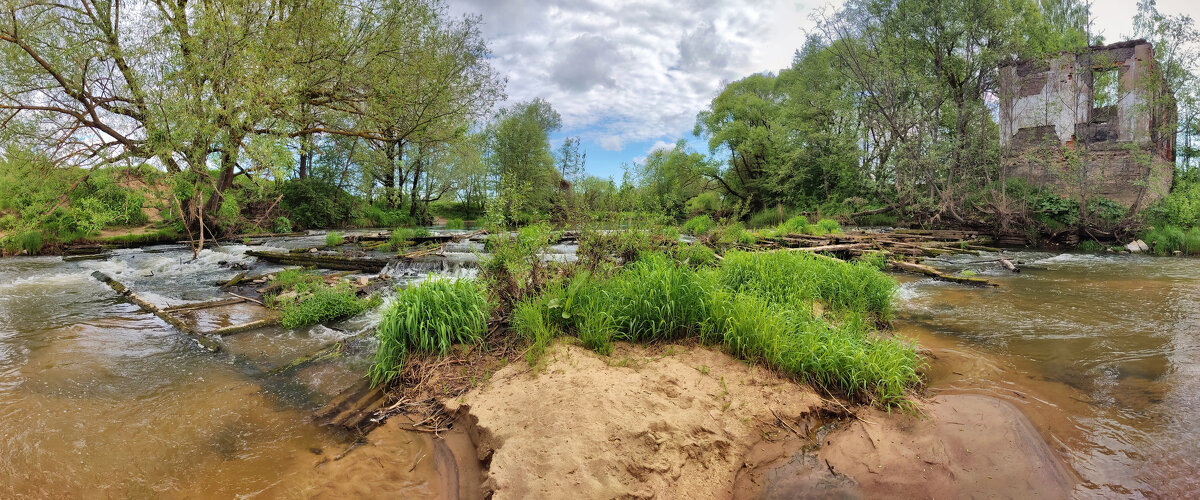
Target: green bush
[455,224]
[699,225]
[704,203]
[404,236]
[317,303]
[428,318]
[27,241]
[334,239]
[313,203]
[377,216]
[1191,241]
[1165,240]
[282,225]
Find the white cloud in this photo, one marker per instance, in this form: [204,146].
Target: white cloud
[627,71]
[661,145]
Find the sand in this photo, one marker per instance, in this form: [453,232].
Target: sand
[666,422]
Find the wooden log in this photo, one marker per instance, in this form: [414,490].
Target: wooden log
[204,305]
[94,256]
[1009,265]
[938,275]
[352,406]
[832,248]
[339,262]
[245,327]
[235,280]
[208,344]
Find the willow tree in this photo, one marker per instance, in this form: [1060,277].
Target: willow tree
[186,84]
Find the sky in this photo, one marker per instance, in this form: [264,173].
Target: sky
[629,76]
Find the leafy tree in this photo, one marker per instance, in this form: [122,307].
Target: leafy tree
[520,158]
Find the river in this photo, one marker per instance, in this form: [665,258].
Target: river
[98,399]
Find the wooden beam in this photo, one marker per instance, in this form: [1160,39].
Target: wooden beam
[203,341]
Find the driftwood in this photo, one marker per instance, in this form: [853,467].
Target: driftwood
[937,275]
[204,305]
[235,280]
[245,327]
[339,262]
[202,340]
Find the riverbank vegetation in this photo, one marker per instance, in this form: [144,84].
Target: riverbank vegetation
[868,126]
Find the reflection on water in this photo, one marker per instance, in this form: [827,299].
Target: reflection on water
[98,399]
[1106,344]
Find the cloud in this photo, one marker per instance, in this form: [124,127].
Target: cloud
[633,71]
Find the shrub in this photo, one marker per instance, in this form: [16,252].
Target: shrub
[27,241]
[378,216]
[455,224]
[1164,240]
[699,225]
[314,203]
[318,303]
[707,202]
[1191,241]
[334,239]
[428,318]
[404,236]
[282,225]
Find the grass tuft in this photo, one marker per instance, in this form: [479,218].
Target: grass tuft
[699,225]
[428,318]
[334,239]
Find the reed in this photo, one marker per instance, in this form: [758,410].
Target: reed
[334,239]
[317,303]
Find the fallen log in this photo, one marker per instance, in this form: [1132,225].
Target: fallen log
[832,248]
[937,275]
[245,327]
[204,305]
[350,408]
[203,341]
[338,262]
[94,256]
[235,280]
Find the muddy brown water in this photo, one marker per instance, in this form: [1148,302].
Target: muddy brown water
[1101,351]
[100,400]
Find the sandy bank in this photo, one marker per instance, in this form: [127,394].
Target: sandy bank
[689,422]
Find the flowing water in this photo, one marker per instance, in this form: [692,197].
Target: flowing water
[1103,353]
[98,399]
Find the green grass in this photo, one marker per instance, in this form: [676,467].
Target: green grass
[757,305]
[290,279]
[795,225]
[797,277]
[334,239]
[404,236]
[164,235]
[735,233]
[317,303]
[827,226]
[27,241]
[455,223]
[699,225]
[1191,241]
[1165,240]
[1090,246]
[428,318]
[696,255]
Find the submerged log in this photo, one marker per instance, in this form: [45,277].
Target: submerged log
[93,256]
[938,275]
[354,405]
[202,340]
[339,262]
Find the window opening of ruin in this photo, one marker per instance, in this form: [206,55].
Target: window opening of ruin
[1105,93]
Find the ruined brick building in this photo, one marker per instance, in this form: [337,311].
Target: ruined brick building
[1098,123]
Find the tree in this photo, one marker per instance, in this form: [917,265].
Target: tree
[520,158]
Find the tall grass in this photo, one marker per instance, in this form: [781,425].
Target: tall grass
[757,305]
[790,277]
[334,239]
[428,318]
[455,223]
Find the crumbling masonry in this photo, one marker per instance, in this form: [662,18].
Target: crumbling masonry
[1095,124]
